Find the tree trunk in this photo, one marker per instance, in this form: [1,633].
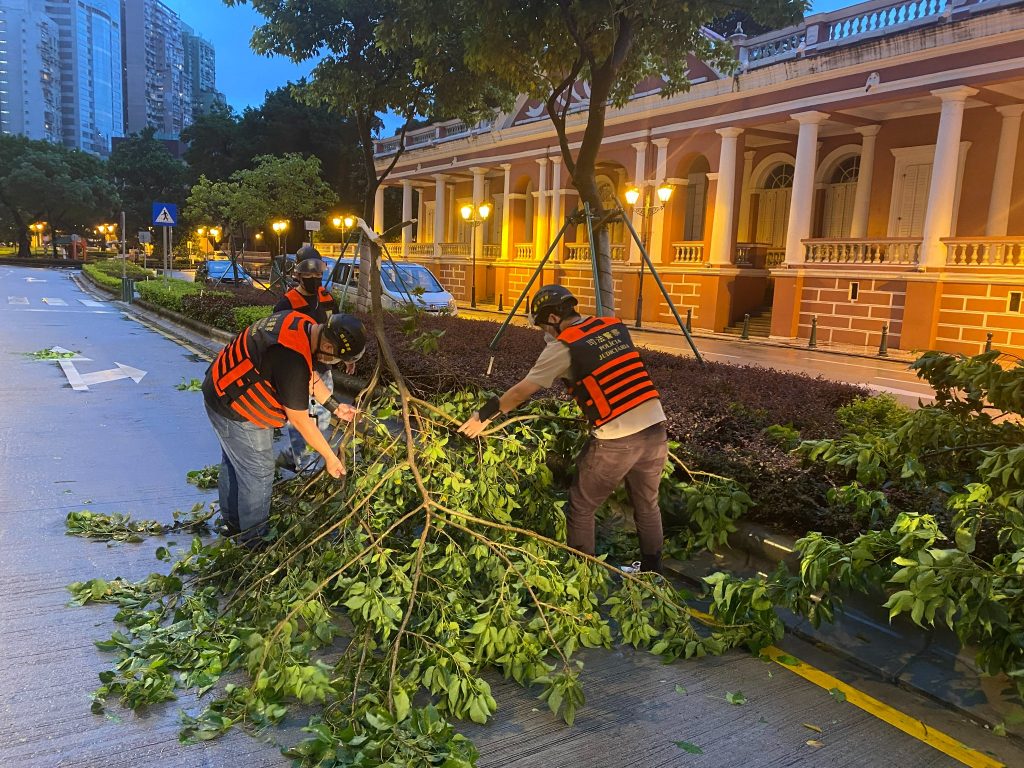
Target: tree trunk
[585,182]
[24,244]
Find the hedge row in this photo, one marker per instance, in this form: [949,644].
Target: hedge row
[227,310]
[718,413]
[108,273]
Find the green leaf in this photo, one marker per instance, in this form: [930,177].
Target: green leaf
[680,690]
[737,699]
[686,746]
[836,694]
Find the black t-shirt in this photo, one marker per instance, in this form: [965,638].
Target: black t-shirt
[287,372]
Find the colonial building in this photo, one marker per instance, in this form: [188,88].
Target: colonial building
[859,169]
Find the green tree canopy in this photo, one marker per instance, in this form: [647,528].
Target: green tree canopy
[66,188]
[288,187]
[144,172]
[216,147]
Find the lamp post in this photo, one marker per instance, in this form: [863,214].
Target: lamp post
[279,227]
[474,216]
[37,230]
[663,192]
[344,224]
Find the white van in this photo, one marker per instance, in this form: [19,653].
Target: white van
[402,283]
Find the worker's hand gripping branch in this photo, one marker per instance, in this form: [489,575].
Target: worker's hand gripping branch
[480,419]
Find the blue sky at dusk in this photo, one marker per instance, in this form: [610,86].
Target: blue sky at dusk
[243,76]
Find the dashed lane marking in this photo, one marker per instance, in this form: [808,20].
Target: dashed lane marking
[92,303]
[17,299]
[53,302]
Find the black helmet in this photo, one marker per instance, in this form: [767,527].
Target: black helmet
[348,335]
[307,252]
[552,298]
[310,267]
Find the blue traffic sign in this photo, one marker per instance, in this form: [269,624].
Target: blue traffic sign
[165,214]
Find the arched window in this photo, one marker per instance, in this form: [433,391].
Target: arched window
[837,212]
[773,207]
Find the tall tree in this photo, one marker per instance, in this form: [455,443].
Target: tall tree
[216,146]
[544,48]
[145,172]
[66,188]
[288,187]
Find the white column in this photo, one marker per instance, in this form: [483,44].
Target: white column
[799,227]
[406,215]
[378,210]
[540,211]
[654,248]
[865,172]
[477,232]
[938,219]
[440,193]
[743,230]
[506,213]
[639,179]
[556,198]
[421,214]
[725,199]
[1002,180]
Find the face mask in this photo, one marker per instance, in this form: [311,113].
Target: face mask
[548,337]
[310,284]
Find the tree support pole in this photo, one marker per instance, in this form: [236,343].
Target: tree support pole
[598,304]
[661,285]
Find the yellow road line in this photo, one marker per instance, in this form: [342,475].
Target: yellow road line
[909,725]
[904,722]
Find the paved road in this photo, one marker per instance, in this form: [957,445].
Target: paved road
[125,446]
[877,374]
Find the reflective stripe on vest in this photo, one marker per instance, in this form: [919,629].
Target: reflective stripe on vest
[236,370]
[608,377]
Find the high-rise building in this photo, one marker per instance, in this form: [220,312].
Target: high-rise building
[201,70]
[158,93]
[29,71]
[89,56]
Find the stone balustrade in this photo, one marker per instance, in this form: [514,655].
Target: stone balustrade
[420,249]
[524,251]
[984,251]
[689,252]
[581,252]
[891,251]
[455,249]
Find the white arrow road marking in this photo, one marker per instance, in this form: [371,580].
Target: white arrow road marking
[77,358]
[17,299]
[80,382]
[34,280]
[92,303]
[55,302]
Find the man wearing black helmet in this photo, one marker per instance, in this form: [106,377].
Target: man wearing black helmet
[310,298]
[262,380]
[602,368]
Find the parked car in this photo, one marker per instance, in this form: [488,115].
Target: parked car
[402,283]
[222,271]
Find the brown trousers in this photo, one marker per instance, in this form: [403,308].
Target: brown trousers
[601,466]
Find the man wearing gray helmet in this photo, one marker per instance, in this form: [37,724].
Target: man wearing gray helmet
[313,300]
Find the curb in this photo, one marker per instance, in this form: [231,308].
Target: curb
[895,355]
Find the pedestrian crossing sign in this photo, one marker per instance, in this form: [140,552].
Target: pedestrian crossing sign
[165,214]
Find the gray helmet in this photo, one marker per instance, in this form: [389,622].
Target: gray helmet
[550,299]
[307,252]
[310,267]
[347,334]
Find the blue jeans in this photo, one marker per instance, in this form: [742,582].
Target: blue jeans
[246,475]
[296,442]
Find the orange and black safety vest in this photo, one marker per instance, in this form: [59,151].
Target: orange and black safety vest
[236,371]
[608,376]
[300,301]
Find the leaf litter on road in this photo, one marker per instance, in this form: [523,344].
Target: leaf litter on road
[686,746]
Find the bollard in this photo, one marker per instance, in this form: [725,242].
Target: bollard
[501,305]
[689,318]
[988,342]
[127,290]
[746,327]
[812,341]
[883,347]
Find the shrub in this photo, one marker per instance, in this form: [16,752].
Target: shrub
[878,413]
[108,273]
[243,317]
[168,293]
[212,308]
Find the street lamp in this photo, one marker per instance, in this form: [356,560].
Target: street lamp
[38,229]
[345,222]
[279,227]
[474,216]
[663,193]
